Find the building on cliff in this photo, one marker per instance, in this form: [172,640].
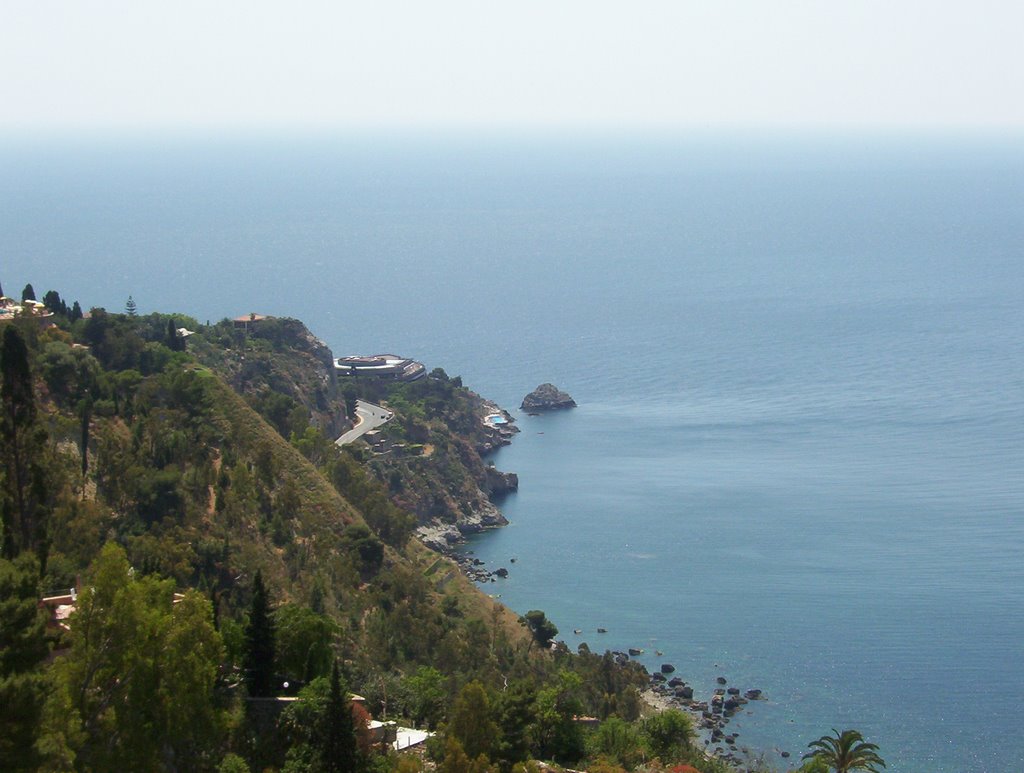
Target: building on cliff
[381,366]
[11,309]
[247,321]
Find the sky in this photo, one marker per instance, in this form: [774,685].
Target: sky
[650,64]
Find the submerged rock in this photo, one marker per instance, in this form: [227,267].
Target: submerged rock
[547,397]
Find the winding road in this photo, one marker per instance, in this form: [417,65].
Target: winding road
[368,416]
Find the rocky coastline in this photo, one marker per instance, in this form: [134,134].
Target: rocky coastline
[711,709]
[711,716]
[497,430]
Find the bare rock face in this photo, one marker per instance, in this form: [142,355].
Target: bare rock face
[547,397]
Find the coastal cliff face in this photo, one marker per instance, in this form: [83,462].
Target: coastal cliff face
[431,455]
[279,366]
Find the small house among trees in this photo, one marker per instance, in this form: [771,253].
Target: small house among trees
[248,320]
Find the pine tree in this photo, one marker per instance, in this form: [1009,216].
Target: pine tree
[28,294]
[258,660]
[22,650]
[53,302]
[130,308]
[76,312]
[339,751]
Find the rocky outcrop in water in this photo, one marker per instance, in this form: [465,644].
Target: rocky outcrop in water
[498,484]
[547,397]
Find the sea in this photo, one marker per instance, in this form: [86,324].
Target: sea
[798,457]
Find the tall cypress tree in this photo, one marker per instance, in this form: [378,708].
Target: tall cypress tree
[28,294]
[174,341]
[23,481]
[339,751]
[258,661]
[22,651]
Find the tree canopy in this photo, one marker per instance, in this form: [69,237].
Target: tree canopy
[846,751]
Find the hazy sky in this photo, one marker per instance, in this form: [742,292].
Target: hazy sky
[471,63]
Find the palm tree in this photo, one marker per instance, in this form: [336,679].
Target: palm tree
[845,751]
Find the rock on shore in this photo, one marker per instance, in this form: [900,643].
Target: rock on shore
[547,397]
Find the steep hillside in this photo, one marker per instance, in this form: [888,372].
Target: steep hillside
[136,464]
[432,455]
[281,368]
[184,472]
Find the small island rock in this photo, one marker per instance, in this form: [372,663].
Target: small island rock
[547,397]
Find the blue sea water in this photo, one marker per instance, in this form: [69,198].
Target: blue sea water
[798,459]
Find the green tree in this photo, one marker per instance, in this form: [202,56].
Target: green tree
[76,312]
[339,751]
[845,751]
[669,734]
[175,342]
[543,630]
[427,694]
[322,729]
[557,735]
[53,302]
[303,642]
[456,761]
[258,660]
[232,763]
[28,294]
[70,374]
[22,651]
[351,396]
[135,690]
[365,547]
[515,710]
[472,722]
[23,444]
[618,740]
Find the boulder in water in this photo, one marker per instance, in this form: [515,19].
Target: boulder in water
[547,397]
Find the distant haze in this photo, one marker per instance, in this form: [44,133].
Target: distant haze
[665,64]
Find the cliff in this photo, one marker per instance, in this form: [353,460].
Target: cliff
[431,455]
[278,366]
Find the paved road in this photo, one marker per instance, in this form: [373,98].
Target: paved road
[368,416]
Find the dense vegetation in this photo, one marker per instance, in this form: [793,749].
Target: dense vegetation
[226,554]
